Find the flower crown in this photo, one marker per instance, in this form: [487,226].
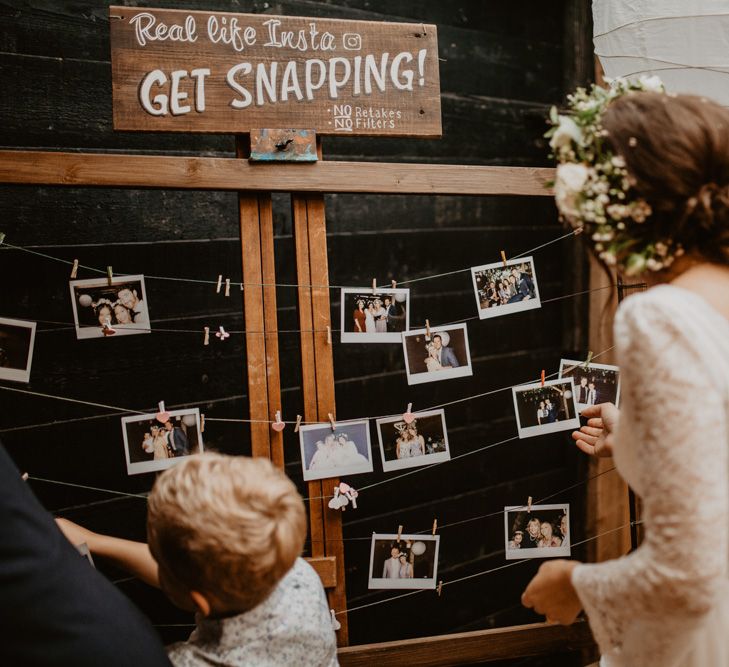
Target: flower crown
[592,187]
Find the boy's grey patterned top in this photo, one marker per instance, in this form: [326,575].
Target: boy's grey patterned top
[291,627]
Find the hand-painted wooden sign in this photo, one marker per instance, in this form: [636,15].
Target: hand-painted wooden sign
[197,71]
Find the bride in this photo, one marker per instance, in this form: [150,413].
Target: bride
[667,603]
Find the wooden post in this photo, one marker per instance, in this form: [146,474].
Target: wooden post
[264,383]
[318,378]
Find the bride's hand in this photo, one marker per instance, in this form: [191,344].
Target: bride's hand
[596,438]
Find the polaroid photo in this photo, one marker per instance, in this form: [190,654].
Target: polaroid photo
[542,532]
[598,383]
[325,453]
[101,310]
[410,562]
[420,443]
[545,409]
[442,356]
[17,340]
[369,317]
[502,289]
[151,444]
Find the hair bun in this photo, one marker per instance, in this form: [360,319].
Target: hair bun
[711,201]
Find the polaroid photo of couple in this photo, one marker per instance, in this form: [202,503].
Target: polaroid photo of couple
[101,310]
[408,562]
[17,340]
[327,452]
[542,532]
[442,355]
[598,383]
[545,409]
[374,317]
[421,442]
[155,442]
[505,288]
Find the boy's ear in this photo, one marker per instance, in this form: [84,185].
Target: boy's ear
[201,602]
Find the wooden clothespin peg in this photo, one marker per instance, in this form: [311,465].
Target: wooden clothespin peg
[335,623]
[529,505]
[374,286]
[206,336]
[220,283]
[162,416]
[435,525]
[298,424]
[409,417]
[503,257]
[2,238]
[588,360]
[241,287]
[332,422]
[427,328]
[329,335]
[440,587]
[543,377]
[24,477]
[109,275]
[399,533]
[227,287]
[202,423]
[74,270]
[579,231]
[394,284]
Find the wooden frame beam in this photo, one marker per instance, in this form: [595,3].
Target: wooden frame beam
[463,648]
[196,173]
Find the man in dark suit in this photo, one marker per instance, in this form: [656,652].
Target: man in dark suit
[55,609]
[176,439]
[582,391]
[445,355]
[551,412]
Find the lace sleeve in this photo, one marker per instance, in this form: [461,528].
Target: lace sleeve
[673,435]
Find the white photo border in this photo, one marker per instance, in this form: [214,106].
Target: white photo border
[543,429]
[507,309]
[537,552]
[20,374]
[568,363]
[84,333]
[380,583]
[465,370]
[388,337]
[141,467]
[418,461]
[340,471]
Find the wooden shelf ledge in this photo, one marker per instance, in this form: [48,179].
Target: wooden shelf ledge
[472,647]
[200,173]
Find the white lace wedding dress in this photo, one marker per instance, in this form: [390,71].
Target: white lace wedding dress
[667,603]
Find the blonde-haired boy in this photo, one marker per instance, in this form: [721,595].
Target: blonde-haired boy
[225,534]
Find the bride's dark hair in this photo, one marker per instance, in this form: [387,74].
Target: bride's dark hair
[676,150]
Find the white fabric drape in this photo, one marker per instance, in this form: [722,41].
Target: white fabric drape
[685,42]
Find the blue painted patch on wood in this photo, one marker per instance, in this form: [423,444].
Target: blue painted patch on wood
[273,145]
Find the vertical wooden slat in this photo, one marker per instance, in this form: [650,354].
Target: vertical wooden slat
[318,377]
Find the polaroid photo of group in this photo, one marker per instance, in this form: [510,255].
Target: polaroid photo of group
[547,408]
[441,356]
[155,442]
[421,442]
[374,317]
[542,532]
[408,562]
[327,452]
[505,288]
[101,310]
[594,384]
[17,340]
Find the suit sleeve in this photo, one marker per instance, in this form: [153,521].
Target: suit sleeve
[55,609]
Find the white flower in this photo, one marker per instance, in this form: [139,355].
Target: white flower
[636,264]
[608,257]
[661,249]
[568,184]
[652,84]
[567,131]
[653,264]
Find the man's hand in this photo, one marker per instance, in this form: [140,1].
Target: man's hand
[596,439]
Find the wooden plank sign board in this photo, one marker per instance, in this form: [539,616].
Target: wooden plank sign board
[196,71]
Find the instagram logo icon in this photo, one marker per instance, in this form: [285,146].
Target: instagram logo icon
[352,41]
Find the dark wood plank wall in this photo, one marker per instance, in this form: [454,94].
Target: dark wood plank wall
[502,66]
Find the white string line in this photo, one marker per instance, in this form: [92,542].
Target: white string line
[89,488]
[243,285]
[485,572]
[237,420]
